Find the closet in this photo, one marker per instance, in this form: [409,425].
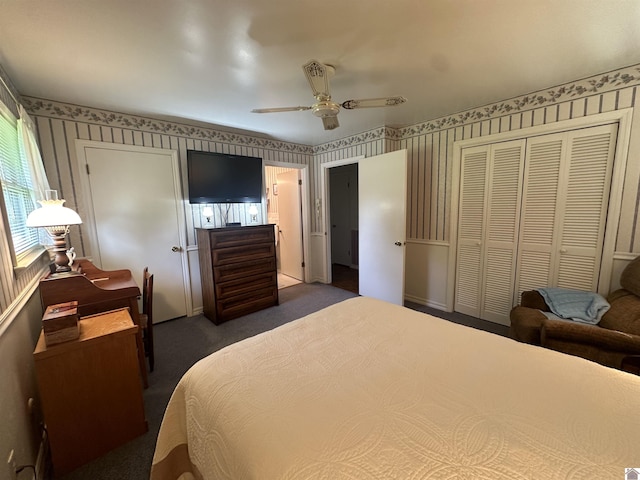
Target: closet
[532,213]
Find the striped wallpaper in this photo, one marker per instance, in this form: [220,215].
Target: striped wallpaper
[430,159]
[429,146]
[60,124]
[271,178]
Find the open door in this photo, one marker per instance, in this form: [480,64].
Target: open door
[382,199]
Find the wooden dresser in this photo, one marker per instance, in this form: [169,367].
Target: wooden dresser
[91,390]
[237,270]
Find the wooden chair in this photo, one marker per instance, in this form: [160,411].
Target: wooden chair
[146,318]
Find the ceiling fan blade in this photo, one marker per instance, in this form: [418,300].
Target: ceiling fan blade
[281,109]
[373,102]
[330,123]
[318,77]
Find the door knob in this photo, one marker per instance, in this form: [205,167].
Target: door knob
[175,248]
[399,244]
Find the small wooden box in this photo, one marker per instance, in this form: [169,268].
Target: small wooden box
[60,323]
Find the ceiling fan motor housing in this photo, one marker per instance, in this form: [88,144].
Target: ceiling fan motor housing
[325,108]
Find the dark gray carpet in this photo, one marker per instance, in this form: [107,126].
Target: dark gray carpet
[462,319]
[178,345]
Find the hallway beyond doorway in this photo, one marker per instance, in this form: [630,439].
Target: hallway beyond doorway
[344,277]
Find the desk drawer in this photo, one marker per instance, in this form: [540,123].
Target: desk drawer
[233,271]
[224,256]
[245,285]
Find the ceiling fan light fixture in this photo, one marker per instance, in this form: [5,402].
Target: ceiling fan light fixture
[318,75]
[325,109]
[330,123]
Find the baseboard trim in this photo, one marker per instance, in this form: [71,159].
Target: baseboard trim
[426,303]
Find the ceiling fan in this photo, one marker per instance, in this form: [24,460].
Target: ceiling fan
[318,75]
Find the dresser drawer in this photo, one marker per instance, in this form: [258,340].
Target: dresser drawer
[244,285]
[246,236]
[245,253]
[239,305]
[233,271]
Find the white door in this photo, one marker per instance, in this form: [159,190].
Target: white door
[135,200]
[565,201]
[471,229]
[290,225]
[382,184]
[487,229]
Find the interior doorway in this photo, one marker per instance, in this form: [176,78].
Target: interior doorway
[382,203]
[343,208]
[286,211]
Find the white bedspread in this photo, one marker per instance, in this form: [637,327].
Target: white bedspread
[369,390]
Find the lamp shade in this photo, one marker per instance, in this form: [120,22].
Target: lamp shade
[52,214]
[207,212]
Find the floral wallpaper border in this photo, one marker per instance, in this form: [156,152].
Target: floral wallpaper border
[50,108]
[596,84]
[364,137]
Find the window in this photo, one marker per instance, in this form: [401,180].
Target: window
[17,188]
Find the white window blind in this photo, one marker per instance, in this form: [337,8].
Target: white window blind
[17,188]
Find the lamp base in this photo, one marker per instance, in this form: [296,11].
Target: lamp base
[61,259]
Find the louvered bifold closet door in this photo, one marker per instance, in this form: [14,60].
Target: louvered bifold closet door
[539,205]
[586,199]
[491,182]
[564,205]
[506,164]
[473,175]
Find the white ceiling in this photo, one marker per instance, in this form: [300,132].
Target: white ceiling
[213,61]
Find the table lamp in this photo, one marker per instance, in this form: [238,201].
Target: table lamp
[207,212]
[55,219]
[253,211]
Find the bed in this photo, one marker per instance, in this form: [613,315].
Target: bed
[368,390]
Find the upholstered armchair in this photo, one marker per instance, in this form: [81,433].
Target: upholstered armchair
[614,341]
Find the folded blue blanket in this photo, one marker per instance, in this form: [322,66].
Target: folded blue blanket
[584,307]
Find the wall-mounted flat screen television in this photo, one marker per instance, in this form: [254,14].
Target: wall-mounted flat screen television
[223,178]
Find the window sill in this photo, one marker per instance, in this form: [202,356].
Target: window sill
[29,258]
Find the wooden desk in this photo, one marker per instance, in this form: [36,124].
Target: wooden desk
[90,390]
[96,291]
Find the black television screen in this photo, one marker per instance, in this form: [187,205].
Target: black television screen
[223,178]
